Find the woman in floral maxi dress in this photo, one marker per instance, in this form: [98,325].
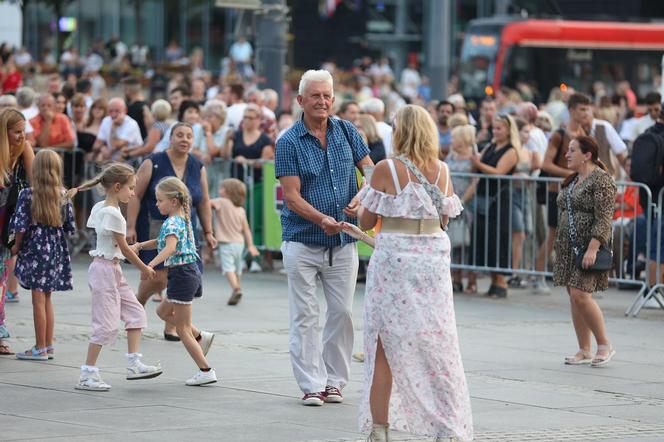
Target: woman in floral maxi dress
[414,377]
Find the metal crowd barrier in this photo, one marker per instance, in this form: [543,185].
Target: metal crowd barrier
[654,292]
[499,220]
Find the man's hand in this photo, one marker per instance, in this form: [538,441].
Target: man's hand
[253,251]
[352,207]
[330,226]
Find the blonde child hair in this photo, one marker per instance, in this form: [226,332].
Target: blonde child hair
[47,189]
[9,119]
[236,191]
[465,133]
[173,187]
[113,173]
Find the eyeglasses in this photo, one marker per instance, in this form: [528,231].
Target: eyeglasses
[247,117]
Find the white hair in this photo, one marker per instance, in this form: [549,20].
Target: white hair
[25,96]
[373,106]
[315,76]
[215,107]
[270,94]
[161,109]
[7,101]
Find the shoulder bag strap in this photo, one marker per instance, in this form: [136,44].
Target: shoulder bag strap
[570,218]
[432,190]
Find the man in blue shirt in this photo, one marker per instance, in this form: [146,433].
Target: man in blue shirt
[315,163]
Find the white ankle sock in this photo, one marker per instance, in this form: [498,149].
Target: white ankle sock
[89,368]
[131,357]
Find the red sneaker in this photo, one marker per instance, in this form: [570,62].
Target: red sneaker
[313,399]
[333,395]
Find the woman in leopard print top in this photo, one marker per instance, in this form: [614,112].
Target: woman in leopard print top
[592,193]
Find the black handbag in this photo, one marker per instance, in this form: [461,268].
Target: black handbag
[18,183]
[604,258]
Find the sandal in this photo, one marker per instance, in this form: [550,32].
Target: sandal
[497,292]
[5,350]
[34,354]
[11,296]
[600,361]
[235,297]
[581,357]
[471,289]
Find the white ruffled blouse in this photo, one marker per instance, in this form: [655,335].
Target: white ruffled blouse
[413,202]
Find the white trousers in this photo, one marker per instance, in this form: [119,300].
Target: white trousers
[317,363]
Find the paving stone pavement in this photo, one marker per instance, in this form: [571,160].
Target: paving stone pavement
[512,351]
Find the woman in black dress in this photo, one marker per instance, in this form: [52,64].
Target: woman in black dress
[492,202]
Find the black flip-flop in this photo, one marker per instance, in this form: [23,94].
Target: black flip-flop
[170,337]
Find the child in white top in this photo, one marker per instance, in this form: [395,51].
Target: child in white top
[112,298]
[232,231]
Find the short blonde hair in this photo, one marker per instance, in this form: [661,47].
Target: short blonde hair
[415,135]
[161,109]
[466,134]
[236,191]
[457,120]
[367,123]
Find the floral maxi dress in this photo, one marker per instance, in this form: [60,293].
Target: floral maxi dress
[408,303]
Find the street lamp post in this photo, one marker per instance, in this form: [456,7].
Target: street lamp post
[439,46]
[271,43]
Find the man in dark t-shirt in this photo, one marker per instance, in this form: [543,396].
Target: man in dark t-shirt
[137,108]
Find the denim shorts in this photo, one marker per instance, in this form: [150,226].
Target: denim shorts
[184,283]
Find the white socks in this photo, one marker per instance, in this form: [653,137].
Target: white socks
[131,357]
[89,368]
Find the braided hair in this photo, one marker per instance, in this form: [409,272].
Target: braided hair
[173,187]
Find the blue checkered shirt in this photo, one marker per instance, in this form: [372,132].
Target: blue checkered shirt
[327,178]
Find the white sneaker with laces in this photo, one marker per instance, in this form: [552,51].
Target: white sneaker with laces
[138,370]
[91,381]
[206,341]
[202,378]
[255,267]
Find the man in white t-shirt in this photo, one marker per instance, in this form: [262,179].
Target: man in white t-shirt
[241,53]
[376,108]
[537,141]
[634,127]
[118,132]
[234,99]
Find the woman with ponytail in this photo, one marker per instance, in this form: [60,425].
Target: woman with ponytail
[144,219]
[591,193]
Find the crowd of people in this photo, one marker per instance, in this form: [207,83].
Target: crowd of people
[159,148]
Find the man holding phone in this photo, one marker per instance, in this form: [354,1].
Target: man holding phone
[315,163]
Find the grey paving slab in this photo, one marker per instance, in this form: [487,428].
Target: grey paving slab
[512,349]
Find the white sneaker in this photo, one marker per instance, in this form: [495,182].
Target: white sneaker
[206,341]
[91,381]
[138,370]
[202,378]
[540,287]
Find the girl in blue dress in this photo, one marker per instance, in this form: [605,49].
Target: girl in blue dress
[42,219]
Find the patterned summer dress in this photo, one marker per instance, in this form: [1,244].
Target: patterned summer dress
[43,262]
[408,303]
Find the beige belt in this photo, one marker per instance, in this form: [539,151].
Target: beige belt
[410,226]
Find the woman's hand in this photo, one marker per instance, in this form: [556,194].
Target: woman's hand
[589,258]
[131,235]
[476,159]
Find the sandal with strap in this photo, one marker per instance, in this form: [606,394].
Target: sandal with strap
[471,289]
[600,361]
[33,354]
[581,357]
[5,350]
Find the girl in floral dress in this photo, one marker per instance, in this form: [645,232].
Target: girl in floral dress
[414,378]
[43,216]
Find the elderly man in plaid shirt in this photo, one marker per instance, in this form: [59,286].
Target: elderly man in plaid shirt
[315,163]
